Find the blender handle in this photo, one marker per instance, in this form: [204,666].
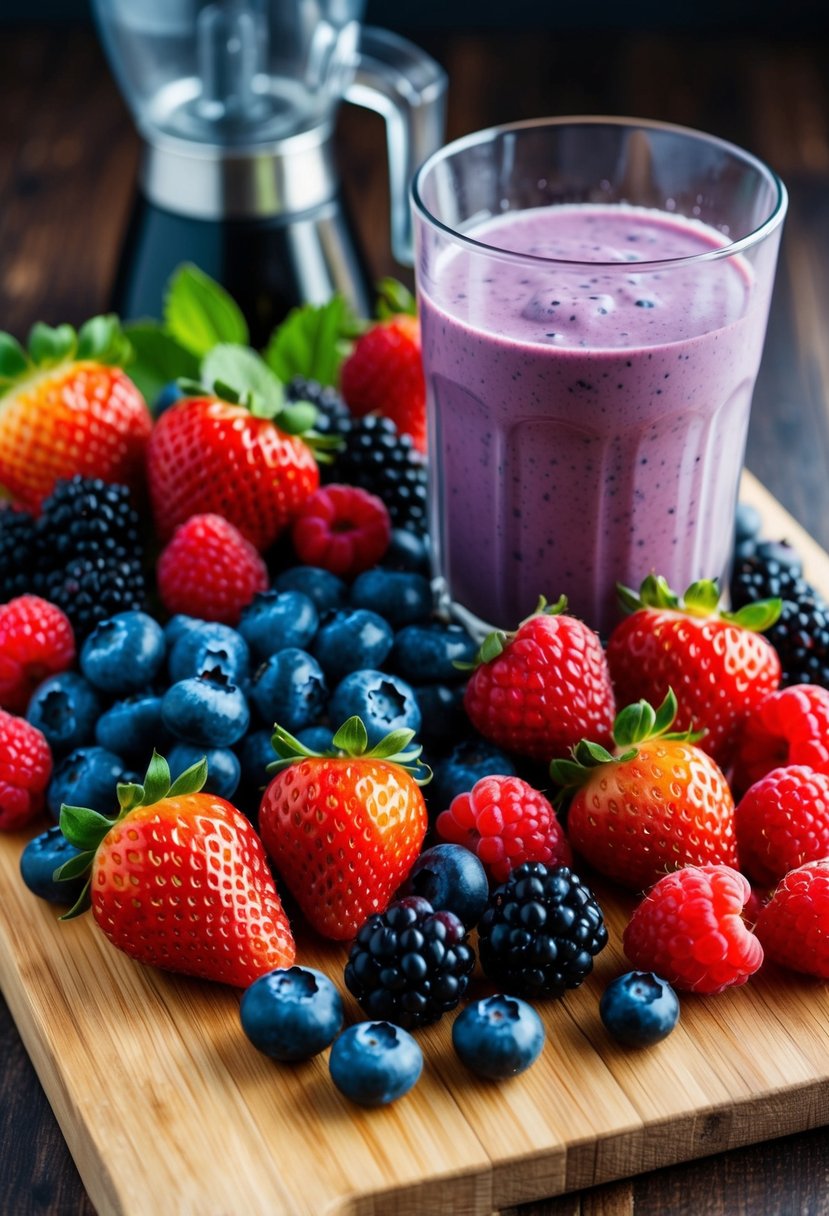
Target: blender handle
[404,84]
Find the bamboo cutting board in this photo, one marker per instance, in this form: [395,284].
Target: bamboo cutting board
[168,1111]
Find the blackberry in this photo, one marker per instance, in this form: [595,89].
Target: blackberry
[18,553]
[91,589]
[758,578]
[409,964]
[540,931]
[801,633]
[333,415]
[87,517]
[379,460]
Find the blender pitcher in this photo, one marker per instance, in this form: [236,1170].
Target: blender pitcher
[236,101]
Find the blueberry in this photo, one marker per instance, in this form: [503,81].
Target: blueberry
[323,588]
[86,777]
[639,1009]
[452,879]
[427,653]
[223,767]
[38,862]
[383,701]
[255,753]
[169,394]
[207,710]
[289,688]
[402,598]
[124,653]
[177,625]
[133,728]
[408,551]
[466,763]
[317,738]
[65,708]
[443,714]
[498,1037]
[373,1063]
[208,646]
[748,522]
[350,639]
[277,620]
[292,1014]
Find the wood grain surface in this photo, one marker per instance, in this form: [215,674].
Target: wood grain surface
[67,163]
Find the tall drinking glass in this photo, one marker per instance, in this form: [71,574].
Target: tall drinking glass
[593,296]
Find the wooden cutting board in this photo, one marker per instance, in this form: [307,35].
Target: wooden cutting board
[167,1109]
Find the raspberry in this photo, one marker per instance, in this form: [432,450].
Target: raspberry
[384,375]
[209,570]
[505,822]
[342,529]
[541,931]
[36,641]
[782,822]
[688,929]
[25,768]
[794,924]
[790,726]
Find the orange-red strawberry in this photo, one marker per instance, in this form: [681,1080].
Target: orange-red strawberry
[180,880]
[657,802]
[344,829]
[65,409]
[717,664]
[209,456]
[540,690]
[384,375]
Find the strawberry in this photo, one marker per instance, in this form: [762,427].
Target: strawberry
[344,828]
[384,375]
[790,726]
[64,409]
[782,821]
[719,667]
[209,571]
[213,456]
[794,925]
[539,690]
[179,880]
[656,803]
[689,930]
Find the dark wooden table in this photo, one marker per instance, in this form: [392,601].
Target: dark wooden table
[68,156]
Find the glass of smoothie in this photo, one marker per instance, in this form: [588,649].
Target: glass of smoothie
[593,295]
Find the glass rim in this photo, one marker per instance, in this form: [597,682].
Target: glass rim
[488,135]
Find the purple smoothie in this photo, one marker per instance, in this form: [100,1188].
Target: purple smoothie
[587,421]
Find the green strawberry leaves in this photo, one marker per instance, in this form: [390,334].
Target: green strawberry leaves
[14,362]
[248,375]
[351,742]
[312,342]
[701,599]
[100,340]
[394,298]
[495,643]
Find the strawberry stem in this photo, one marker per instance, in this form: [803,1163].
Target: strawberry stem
[701,599]
[351,742]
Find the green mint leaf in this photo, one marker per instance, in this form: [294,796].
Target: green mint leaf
[158,359]
[309,342]
[394,298]
[48,347]
[157,780]
[191,781]
[200,314]
[13,359]
[74,867]
[244,371]
[352,737]
[102,340]
[82,827]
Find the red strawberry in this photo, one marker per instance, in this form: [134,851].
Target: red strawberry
[36,641]
[343,829]
[787,727]
[210,571]
[505,822]
[794,925]
[656,803]
[782,821]
[64,410]
[209,456]
[539,690]
[342,529]
[718,667]
[688,930]
[180,880]
[384,375]
[25,769]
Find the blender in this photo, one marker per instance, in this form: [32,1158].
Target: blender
[236,101]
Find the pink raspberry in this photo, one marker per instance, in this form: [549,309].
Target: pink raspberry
[782,821]
[342,529]
[25,769]
[790,726]
[210,571]
[689,930]
[36,641]
[794,925]
[505,822]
